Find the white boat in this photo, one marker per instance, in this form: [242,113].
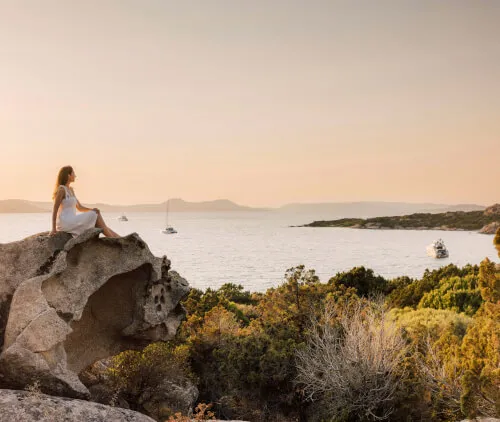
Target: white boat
[123,217]
[437,249]
[168,229]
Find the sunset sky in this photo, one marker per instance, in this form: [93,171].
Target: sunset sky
[262,102]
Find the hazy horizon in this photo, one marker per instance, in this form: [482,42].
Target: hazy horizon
[263,103]
[278,206]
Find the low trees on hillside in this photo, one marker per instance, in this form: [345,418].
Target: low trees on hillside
[426,349]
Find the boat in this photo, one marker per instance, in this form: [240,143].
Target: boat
[123,217]
[437,249]
[168,229]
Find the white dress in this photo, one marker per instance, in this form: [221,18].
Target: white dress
[67,218]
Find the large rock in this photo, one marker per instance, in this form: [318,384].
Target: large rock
[23,406]
[490,228]
[66,303]
[482,420]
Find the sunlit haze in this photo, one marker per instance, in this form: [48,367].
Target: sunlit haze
[261,102]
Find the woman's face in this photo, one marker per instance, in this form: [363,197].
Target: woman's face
[72,176]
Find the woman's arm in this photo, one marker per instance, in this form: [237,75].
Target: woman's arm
[80,207]
[57,202]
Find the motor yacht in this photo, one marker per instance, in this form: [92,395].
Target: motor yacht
[437,249]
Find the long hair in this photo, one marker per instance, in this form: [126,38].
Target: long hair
[62,178]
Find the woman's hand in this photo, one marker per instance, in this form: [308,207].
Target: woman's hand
[53,233]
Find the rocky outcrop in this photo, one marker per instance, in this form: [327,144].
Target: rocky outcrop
[492,210]
[35,407]
[490,228]
[32,406]
[482,420]
[66,303]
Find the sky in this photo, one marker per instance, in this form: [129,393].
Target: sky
[263,102]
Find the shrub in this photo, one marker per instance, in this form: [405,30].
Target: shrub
[363,280]
[460,294]
[352,362]
[411,294]
[132,373]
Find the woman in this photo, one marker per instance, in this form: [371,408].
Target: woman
[64,216]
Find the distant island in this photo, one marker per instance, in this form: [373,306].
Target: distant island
[487,221]
[175,205]
[360,209]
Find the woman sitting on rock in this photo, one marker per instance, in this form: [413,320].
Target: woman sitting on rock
[64,216]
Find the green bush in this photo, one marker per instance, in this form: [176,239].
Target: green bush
[459,294]
[363,280]
[411,294]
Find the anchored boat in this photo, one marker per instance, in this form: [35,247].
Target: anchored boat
[168,229]
[437,249]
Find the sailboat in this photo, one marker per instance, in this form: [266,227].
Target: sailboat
[123,217]
[168,229]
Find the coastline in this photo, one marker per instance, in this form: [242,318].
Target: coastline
[484,222]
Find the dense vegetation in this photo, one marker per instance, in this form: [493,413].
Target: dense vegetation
[356,348]
[459,220]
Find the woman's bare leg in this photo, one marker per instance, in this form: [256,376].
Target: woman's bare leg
[105,229]
[114,233]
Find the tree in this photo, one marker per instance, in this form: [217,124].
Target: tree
[363,280]
[460,294]
[411,294]
[489,282]
[496,241]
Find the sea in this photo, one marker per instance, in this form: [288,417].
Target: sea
[256,248]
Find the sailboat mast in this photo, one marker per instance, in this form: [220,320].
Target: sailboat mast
[166,217]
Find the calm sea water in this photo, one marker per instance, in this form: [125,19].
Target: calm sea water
[255,248]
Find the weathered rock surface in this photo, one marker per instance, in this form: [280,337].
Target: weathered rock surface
[23,406]
[482,420]
[66,303]
[490,228]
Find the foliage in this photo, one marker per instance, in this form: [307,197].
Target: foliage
[422,324]
[481,361]
[496,241]
[133,372]
[353,362]
[440,367]
[411,294]
[481,349]
[343,222]
[460,294]
[242,346]
[425,349]
[489,282]
[235,293]
[202,412]
[458,356]
[363,280]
